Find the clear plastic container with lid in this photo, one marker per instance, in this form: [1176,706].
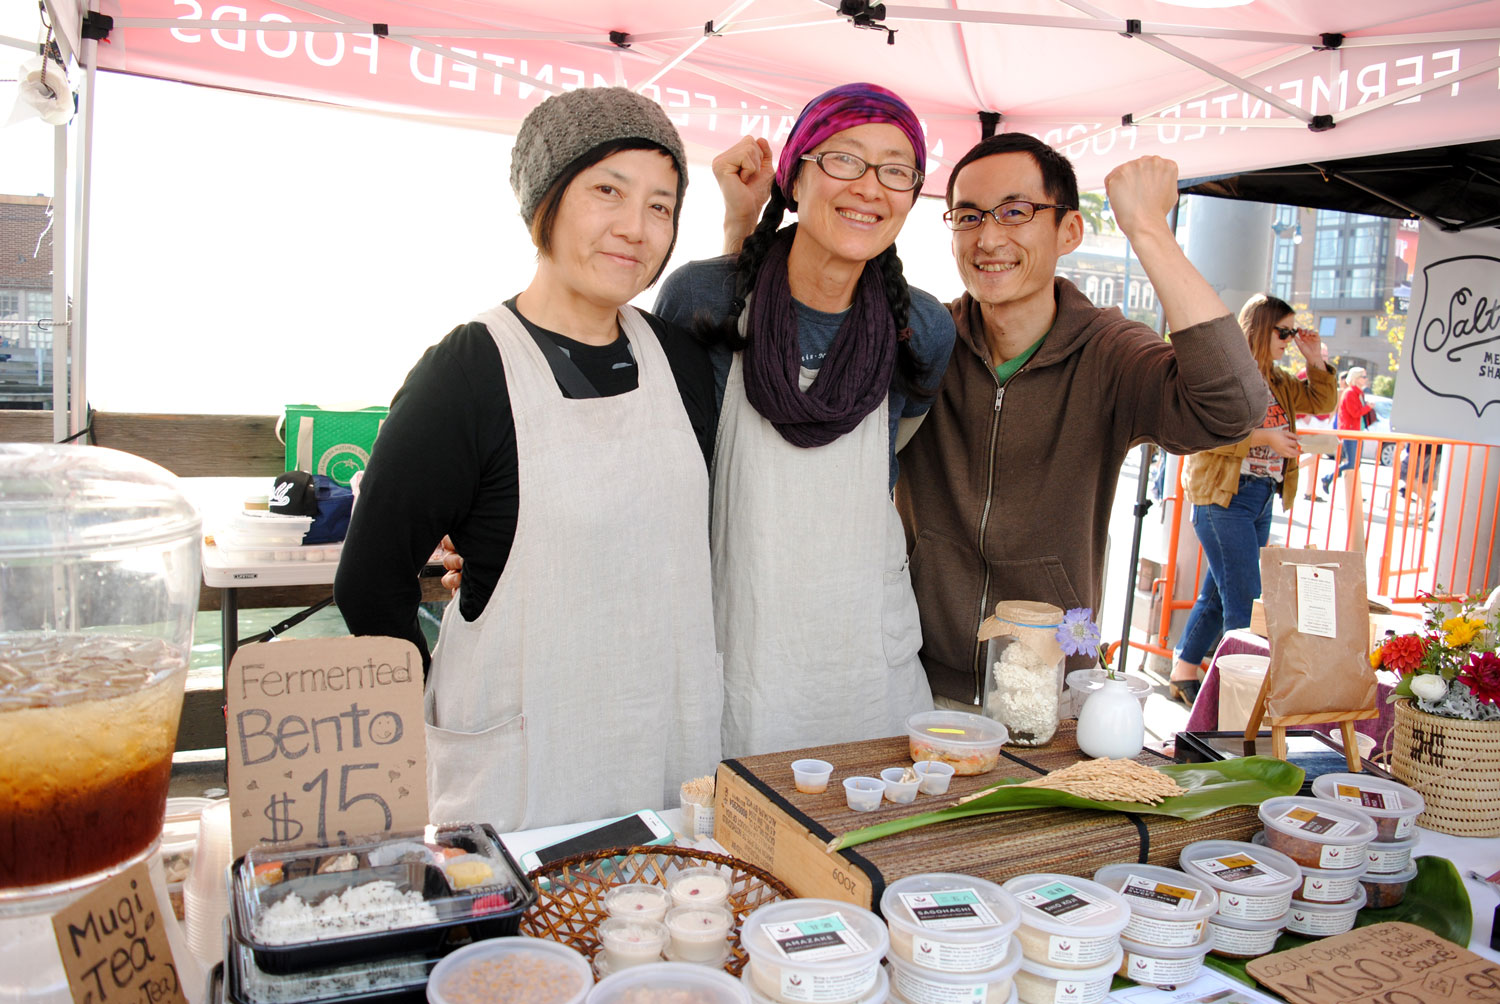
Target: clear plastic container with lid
[1244,939]
[916,984]
[1392,805]
[1321,920]
[1382,891]
[813,951]
[880,993]
[971,743]
[246,983]
[511,969]
[1391,857]
[952,923]
[1158,966]
[1253,883]
[1316,832]
[303,907]
[1066,921]
[1039,983]
[1168,908]
[677,982]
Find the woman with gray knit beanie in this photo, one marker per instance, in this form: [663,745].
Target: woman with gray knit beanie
[821,351]
[561,439]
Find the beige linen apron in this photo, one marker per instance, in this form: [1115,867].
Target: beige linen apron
[589,686]
[813,603]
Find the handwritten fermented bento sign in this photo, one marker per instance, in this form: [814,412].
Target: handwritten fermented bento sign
[1452,346]
[325,740]
[114,946]
[1390,963]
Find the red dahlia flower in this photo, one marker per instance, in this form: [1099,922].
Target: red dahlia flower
[1482,676]
[1403,653]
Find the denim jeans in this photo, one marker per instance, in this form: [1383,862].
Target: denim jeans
[1232,537]
[1348,458]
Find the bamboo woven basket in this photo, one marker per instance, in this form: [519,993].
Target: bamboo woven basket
[1454,765]
[571,907]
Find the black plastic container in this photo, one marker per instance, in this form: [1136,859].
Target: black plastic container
[425,863]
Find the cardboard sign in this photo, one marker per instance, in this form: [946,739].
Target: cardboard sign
[326,740]
[113,944]
[1392,963]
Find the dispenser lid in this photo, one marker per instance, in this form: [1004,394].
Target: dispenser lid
[62,499]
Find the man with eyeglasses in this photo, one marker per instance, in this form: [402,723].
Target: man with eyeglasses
[1006,487]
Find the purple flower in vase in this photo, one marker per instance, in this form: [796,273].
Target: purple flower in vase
[1077,634]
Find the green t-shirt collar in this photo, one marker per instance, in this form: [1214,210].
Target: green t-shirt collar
[1008,369]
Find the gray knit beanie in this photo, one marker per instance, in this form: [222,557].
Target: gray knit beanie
[568,125]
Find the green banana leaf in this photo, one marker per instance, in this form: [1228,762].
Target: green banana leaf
[1210,787]
[1436,900]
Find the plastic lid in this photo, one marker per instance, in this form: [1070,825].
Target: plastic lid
[1086,681]
[957,728]
[57,500]
[964,908]
[658,980]
[1203,947]
[866,936]
[1317,819]
[1066,904]
[1375,796]
[1006,969]
[879,993]
[1103,970]
[1160,893]
[1402,876]
[1241,868]
[563,967]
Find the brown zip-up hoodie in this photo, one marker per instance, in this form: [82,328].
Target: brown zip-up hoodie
[1006,493]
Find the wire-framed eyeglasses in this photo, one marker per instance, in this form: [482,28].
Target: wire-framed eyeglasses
[1007,214]
[848,167]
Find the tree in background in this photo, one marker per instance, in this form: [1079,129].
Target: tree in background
[1393,324]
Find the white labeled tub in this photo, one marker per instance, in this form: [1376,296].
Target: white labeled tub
[1317,832]
[1066,921]
[1253,883]
[915,984]
[1244,939]
[1168,907]
[1039,983]
[950,923]
[1156,966]
[1320,920]
[1392,805]
[813,951]
[1390,858]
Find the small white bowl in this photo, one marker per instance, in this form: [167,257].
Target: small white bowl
[811,776]
[864,793]
[899,791]
[935,776]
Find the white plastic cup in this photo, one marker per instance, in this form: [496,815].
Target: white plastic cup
[935,776]
[899,791]
[637,901]
[704,886]
[699,933]
[632,942]
[811,776]
[864,793]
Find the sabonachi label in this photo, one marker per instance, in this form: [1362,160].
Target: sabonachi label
[825,937]
[951,909]
[1240,869]
[1063,903]
[1160,894]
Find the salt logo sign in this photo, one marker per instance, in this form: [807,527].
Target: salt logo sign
[1457,354]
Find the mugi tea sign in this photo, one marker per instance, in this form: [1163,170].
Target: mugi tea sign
[326,740]
[114,947]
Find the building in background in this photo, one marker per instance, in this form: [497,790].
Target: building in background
[25,301]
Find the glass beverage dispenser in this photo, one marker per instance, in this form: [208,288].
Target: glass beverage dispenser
[99,577]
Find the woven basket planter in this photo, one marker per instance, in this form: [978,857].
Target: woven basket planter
[1454,765]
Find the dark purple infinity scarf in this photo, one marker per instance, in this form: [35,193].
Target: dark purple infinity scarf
[855,376]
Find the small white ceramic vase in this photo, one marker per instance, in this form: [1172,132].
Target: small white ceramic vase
[1110,724]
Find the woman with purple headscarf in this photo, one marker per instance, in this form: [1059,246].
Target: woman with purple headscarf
[821,350]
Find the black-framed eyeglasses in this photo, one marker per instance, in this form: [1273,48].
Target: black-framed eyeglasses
[1285,334]
[848,167]
[1007,214]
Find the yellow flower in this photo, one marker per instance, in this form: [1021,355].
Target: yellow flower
[1461,630]
[1375,659]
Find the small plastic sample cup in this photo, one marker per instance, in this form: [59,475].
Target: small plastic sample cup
[700,887]
[631,941]
[864,793]
[637,901]
[935,776]
[899,791]
[811,776]
[699,933]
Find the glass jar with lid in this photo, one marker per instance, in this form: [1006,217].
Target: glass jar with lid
[1023,680]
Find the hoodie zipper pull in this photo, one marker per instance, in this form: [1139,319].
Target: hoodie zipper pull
[999,397]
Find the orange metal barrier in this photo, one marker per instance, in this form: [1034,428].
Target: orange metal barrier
[1408,500]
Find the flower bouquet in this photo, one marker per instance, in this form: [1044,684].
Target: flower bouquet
[1446,741]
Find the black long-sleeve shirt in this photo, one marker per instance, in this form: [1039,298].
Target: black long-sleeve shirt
[445,462]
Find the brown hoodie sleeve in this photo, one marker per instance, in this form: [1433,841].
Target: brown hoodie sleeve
[1201,391]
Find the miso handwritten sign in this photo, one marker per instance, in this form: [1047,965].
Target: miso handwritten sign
[114,945]
[326,740]
[1391,963]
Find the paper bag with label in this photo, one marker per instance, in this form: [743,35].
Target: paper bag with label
[1318,623]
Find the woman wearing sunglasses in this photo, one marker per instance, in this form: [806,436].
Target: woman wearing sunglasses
[821,350]
[1231,488]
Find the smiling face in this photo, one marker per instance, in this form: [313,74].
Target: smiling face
[613,227]
[854,220]
[1010,268]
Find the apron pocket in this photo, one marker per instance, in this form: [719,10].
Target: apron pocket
[478,776]
[947,577]
[900,625]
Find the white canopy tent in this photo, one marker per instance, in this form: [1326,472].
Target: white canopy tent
[1217,85]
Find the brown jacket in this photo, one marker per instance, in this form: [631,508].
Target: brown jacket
[1212,478]
[1006,495]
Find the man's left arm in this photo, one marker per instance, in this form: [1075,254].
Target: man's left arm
[1205,389]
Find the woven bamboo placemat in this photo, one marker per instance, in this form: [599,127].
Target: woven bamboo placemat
[995,847]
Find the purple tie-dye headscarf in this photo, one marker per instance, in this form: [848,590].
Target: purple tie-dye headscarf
[845,107]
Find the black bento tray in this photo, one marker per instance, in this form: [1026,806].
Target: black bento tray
[1309,749]
[234,991]
[473,914]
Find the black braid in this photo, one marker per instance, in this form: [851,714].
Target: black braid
[746,269]
[910,375]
